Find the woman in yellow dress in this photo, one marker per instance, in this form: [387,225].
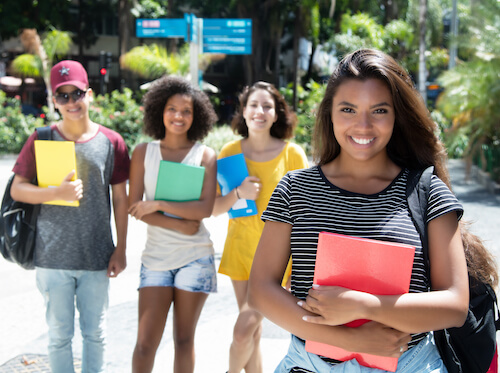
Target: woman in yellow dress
[265,121]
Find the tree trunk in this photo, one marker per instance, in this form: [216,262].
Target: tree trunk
[391,10]
[277,54]
[422,71]
[80,28]
[125,24]
[296,37]
[252,63]
[310,66]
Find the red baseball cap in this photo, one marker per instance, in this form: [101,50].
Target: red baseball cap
[68,72]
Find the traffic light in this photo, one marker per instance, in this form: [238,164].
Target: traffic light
[102,60]
[105,59]
[109,60]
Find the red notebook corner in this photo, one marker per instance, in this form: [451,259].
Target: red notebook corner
[372,266]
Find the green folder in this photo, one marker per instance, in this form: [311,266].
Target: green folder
[179,182]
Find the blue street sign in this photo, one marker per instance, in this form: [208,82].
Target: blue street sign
[222,26]
[161,28]
[229,36]
[210,40]
[228,49]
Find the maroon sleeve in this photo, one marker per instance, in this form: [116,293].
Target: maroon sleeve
[25,164]
[122,159]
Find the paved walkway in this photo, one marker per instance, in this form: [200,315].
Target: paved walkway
[23,330]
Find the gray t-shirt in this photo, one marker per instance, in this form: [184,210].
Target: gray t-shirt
[80,238]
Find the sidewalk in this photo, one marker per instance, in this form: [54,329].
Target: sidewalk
[23,328]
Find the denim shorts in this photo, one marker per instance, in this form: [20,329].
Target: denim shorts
[422,358]
[196,276]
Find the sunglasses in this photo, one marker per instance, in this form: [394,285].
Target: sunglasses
[76,95]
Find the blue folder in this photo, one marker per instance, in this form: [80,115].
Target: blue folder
[231,171]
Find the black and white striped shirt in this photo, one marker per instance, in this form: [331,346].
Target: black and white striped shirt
[311,204]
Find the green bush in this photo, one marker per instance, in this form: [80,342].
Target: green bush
[219,136]
[120,112]
[15,127]
[308,100]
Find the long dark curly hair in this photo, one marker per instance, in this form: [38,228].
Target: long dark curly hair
[285,124]
[156,98]
[414,143]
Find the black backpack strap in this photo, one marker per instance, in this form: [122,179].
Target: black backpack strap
[417,193]
[44,133]
[496,311]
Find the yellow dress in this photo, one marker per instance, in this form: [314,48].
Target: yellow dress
[243,233]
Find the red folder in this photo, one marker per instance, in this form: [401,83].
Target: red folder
[372,266]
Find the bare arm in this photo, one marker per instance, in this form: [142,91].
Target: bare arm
[248,189]
[280,306]
[118,261]
[446,306]
[136,192]
[194,210]
[23,190]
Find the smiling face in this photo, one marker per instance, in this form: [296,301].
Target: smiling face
[73,110]
[260,112]
[363,118]
[178,114]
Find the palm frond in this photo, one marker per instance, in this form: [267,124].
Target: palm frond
[27,65]
[149,62]
[153,61]
[57,43]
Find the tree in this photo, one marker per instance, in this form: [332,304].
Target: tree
[422,69]
[22,14]
[307,24]
[358,31]
[398,37]
[472,88]
[40,57]
[125,24]
[260,12]
[153,61]
[363,31]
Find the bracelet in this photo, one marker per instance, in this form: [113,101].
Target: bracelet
[237,194]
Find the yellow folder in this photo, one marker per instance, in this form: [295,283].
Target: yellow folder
[54,161]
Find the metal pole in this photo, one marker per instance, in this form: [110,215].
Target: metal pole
[194,50]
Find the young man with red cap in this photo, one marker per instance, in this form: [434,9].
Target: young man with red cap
[75,255]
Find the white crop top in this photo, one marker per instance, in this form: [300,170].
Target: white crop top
[167,249]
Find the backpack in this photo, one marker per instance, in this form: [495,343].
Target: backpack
[18,222]
[471,347]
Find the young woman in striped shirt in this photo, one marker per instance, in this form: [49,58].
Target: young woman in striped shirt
[372,128]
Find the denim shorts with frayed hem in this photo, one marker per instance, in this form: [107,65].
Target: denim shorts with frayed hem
[196,276]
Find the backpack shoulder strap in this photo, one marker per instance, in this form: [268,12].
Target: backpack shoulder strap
[44,133]
[417,193]
[496,311]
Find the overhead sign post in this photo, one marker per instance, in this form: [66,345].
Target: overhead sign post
[217,35]
[194,27]
[228,36]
